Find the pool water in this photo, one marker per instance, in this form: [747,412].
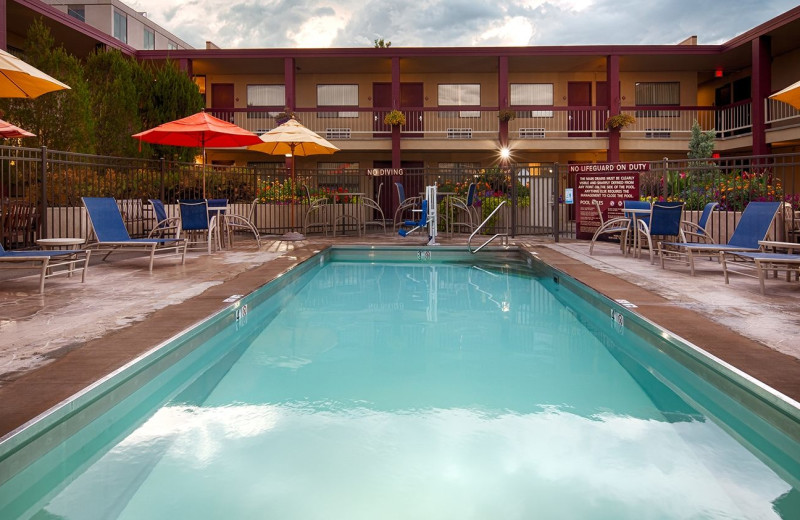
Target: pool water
[418,390]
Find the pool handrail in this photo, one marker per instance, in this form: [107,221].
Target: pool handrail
[504,236]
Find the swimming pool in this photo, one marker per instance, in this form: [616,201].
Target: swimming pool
[403,383]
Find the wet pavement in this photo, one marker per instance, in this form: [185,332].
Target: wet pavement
[54,345]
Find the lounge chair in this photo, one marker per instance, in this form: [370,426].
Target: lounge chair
[467,207]
[762,262]
[373,208]
[230,223]
[416,224]
[699,231]
[317,214]
[47,262]
[753,226]
[166,227]
[111,234]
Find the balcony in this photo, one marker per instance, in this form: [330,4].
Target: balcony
[532,123]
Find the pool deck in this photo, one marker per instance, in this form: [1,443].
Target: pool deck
[53,346]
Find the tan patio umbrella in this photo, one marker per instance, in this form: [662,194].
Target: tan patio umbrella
[21,80]
[9,131]
[790,95]
[292,138]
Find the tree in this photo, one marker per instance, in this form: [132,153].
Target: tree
[165,94]
[61,120]
[114,102]
[701,144]
[381,44]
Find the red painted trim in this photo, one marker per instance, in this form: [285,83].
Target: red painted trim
[289,83]
[760,81]
[76,25]
[3,26]
[764,29]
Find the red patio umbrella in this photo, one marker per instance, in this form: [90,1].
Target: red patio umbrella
[8,131]
[200,130]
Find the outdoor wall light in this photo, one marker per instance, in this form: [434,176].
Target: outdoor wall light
[505,153]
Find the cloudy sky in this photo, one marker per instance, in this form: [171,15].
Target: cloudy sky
[437,23]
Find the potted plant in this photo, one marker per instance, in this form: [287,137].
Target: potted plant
[282,117]
[619,121]
[507,115]
[395,118]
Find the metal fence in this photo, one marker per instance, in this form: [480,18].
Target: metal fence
[40,192]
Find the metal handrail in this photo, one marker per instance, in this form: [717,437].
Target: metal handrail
[504,235]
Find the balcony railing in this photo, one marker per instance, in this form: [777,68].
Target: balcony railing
[531,122]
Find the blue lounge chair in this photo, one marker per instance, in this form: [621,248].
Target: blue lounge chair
[111,234]
[763,262]
[416,224]
[47,261]
[617,227]
[753,227]
[166,227]
[405,204]
[699,232]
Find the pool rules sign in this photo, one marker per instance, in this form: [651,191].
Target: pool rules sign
[609,183]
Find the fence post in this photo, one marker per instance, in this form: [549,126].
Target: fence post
[43,204]
[664,177]
[162,194]
[554,205]
[514,201]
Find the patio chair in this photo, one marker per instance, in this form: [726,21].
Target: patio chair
[48,262]
[699,232]
[318,213]
[166,227]
[111,234]
[405,204]
[753,226]
[230,223]
[665,221]
[416,224]
[467,208]
[373,207]
[619,226]
[196,226]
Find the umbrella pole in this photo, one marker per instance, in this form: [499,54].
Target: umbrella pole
[291,234]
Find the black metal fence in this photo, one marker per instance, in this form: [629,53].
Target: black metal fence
[40,191]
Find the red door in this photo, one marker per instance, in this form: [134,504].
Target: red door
[222,100]
[411,95]
[602,100]
[381,100]
[579,94]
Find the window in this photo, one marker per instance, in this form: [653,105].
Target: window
[171,45]
[459,167]
[77,11]
[460,95]
[149,42]
[658,94]
[337,96]
[532,94]
[273,96]
[120,26]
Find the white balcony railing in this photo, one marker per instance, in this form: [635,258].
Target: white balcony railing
[781,114]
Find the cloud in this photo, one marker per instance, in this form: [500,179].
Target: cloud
[356,23]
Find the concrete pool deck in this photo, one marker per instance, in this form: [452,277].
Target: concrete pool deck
[53,346]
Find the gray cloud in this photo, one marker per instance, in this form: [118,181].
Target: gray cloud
[271,23]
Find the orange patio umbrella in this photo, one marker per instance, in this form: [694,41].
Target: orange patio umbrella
[790,95]
[200,130]
[18,79]
[292,138]
[9,131]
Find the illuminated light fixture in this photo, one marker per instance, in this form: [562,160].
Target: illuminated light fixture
[505,153]
[715,155]
[718,73]
[288,155]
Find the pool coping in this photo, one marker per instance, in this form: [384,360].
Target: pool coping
[40,390]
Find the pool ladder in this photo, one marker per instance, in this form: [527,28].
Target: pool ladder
[503,236]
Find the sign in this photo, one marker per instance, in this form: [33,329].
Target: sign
[568,196]
[611,184]
[381,172]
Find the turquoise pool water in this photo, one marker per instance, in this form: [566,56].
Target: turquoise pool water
[419,389]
